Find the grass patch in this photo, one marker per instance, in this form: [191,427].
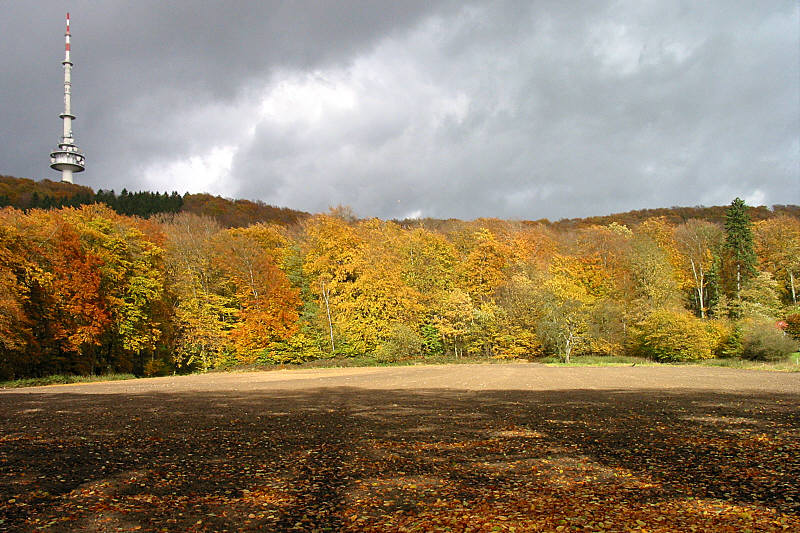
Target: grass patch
[790,364]
[598,360]
[367,360]
[371,361]
[60,379]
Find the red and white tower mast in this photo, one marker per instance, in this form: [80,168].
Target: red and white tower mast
[67,158]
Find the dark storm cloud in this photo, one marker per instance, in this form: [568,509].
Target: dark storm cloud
[458,109]
[147,73]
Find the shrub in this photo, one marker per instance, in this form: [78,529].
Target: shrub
[673,335]
[155,367]
[760,297]
[732,345]
[297,349]
[516,342]
[403,343]
[720,334]
[431,340]
[763,341]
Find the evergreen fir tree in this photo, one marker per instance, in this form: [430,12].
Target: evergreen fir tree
[739,242]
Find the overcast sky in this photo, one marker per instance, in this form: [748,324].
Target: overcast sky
[415,108]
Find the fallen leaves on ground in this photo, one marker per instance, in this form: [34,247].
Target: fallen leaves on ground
[366,460]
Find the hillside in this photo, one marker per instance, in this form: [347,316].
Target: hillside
[239,213]
[25,193]
[676,215]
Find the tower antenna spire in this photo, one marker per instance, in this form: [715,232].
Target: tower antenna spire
[67,158]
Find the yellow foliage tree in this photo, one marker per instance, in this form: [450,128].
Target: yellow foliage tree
[696,241]
[482,272]
[202,303]
[778,250]
[453,319]
[565,306]
[361,270]
[429,263]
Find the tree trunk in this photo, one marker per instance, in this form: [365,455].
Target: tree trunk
[738,281]
[701,294]
[791,282]
[328,309]
[568,349]
[699,280]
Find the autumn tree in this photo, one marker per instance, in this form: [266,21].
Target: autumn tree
[482,271]
[358,275]
[566,300]
[56,281]
[202,305]
[453,319]
[608,243]
[15,325]
[89,283]
[78,309]
[519,299]
[380,297]
[267,305]
[564,320]
[429,263]
[532,248]
[330,249]
[698,242]
[778,249]
[655,283]
[131,280]
[674,335]
[759,297]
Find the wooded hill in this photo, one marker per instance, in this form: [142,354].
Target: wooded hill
[88,290]
[24,193]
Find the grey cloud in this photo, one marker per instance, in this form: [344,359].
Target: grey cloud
[137,64]
[507,109]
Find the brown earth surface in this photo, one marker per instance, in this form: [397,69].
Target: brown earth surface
[516,447]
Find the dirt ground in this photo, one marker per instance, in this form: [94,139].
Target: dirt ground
[516,447]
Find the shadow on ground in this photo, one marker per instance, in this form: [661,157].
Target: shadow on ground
[356,459]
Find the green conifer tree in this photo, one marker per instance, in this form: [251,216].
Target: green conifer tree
[739,242]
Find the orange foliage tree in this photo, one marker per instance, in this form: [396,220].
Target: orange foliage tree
[267,304]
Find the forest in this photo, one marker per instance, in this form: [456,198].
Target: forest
[87,290]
